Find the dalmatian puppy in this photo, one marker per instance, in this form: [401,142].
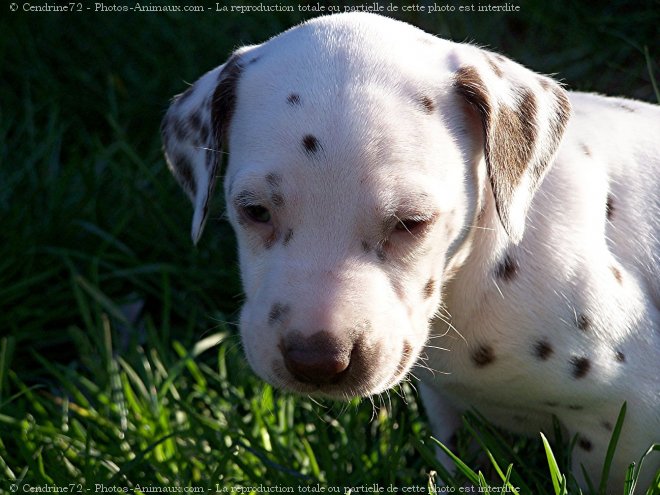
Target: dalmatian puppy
[402,200]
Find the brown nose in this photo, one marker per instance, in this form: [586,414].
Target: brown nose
[319,359]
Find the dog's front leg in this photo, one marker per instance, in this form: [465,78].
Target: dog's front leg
[445,419]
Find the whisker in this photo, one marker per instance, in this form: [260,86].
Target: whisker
[220,152]
[437,347]
[481,228]
[498,289]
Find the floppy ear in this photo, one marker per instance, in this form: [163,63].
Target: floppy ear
[523,116]
[194,131]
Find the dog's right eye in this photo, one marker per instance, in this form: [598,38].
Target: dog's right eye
[257,213]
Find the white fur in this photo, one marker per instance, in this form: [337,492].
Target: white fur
[380,155]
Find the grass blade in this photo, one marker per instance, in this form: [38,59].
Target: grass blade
[558,479]
[611,449]
[472,476]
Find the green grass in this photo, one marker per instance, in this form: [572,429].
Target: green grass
[195,417]
[119,359]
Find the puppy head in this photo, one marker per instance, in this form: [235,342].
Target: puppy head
[359,148]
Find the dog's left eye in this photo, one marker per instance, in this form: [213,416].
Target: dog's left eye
[412,225]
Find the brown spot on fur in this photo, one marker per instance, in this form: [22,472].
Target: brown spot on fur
[483,356]
[277,199]
[516,154]
[507,269]
[470,86]
[293,99]
[223,101]
[429,288]
[609,207]
[365,247]
[585,444]
[273,179]
[180,129]
[620,356]
[245,198]
[543,350]
[583,322]
[519,130]
[204,133]
[426,103]
[195,122]
[311,144]
[277,312]
[581,366]
[617,274]
[563,113]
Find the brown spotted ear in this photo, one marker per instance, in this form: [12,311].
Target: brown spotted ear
[194,131]
[523,116]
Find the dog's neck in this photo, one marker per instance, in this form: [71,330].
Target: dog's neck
[475,260]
